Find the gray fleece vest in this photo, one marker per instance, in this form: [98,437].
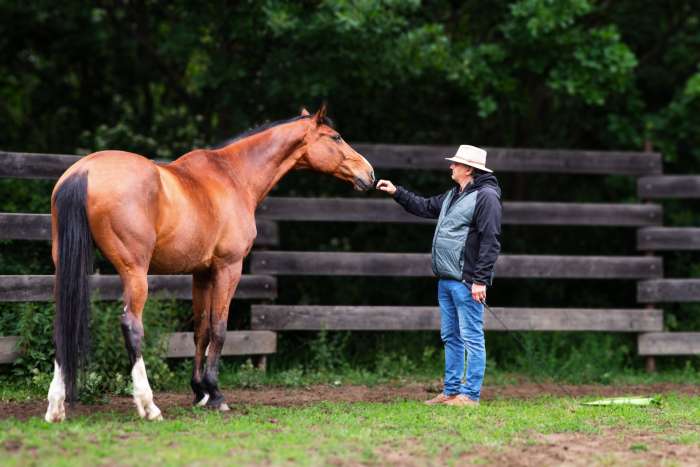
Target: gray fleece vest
[451,235]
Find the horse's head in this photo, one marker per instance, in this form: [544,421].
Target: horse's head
[326,151]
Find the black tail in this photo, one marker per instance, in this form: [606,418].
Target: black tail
[72,291]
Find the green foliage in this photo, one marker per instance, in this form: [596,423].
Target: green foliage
[172,132]
[245,376]
[328,350]
[35,331]
[581,358]
[109,370]
[29,196]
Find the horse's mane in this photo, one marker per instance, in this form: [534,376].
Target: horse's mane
[267,126]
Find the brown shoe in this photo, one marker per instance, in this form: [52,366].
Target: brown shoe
[462,401]
[440,399]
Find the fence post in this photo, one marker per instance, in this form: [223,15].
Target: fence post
[650,362]
[260,361]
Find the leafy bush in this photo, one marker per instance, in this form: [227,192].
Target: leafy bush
[109,370]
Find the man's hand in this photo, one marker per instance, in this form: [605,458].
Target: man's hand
[387,186]
[479,292]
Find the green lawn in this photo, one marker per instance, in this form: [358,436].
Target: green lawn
[335,433]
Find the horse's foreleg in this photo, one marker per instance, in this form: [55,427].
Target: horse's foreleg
[135,293]
[225,281]
[201,308]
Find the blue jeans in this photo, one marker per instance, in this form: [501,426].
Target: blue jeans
[462,327]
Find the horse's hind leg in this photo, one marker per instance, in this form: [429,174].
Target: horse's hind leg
[56,412]
[201,308]
[135,293]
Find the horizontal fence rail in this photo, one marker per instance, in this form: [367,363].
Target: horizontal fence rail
[419,265]
[669,186]
[17,226]
[414,318]
[668,238]
[109,287]
[181,345]
[668,291]
[33,165]
[38,227]
[668,343]
[395,156]
[525,213]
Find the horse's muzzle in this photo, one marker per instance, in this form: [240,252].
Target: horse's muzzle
[364,185]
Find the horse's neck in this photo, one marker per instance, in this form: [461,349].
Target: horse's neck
[263,159]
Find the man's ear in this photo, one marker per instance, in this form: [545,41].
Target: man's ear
[304,112]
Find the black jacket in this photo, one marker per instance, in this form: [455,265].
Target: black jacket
[482,244]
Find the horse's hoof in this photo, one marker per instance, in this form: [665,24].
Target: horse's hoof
[55,413]
[154,413]
[201,402]
[217,404]
[55,417]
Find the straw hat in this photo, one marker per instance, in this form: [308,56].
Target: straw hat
[471,156]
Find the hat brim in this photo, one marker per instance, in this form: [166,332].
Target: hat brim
[476,165]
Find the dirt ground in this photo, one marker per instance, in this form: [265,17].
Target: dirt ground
[569,449]
[288,397]
[576,449]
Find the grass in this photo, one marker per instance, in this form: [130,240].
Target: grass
[330,432]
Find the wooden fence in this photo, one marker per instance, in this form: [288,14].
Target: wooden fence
[266,265]
[671,290]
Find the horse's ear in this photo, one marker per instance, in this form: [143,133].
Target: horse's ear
[320,116]
[304,112]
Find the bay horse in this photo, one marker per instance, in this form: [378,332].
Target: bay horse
[195,215]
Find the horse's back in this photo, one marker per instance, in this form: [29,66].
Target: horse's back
[113,169]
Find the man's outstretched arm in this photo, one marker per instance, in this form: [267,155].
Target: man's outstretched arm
[411,202]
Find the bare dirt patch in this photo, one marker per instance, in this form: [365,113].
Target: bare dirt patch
[289,397]
[617,447]
[577,449]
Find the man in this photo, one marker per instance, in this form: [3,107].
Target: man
[465,247]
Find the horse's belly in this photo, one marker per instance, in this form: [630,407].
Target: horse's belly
[180,256]
[196,252]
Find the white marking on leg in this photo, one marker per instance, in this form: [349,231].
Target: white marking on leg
[143,396]
[203,401]
[56,412]
[224,407]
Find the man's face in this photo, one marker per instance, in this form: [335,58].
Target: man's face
[460,172]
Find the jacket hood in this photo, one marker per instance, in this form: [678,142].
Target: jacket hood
[486,180]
